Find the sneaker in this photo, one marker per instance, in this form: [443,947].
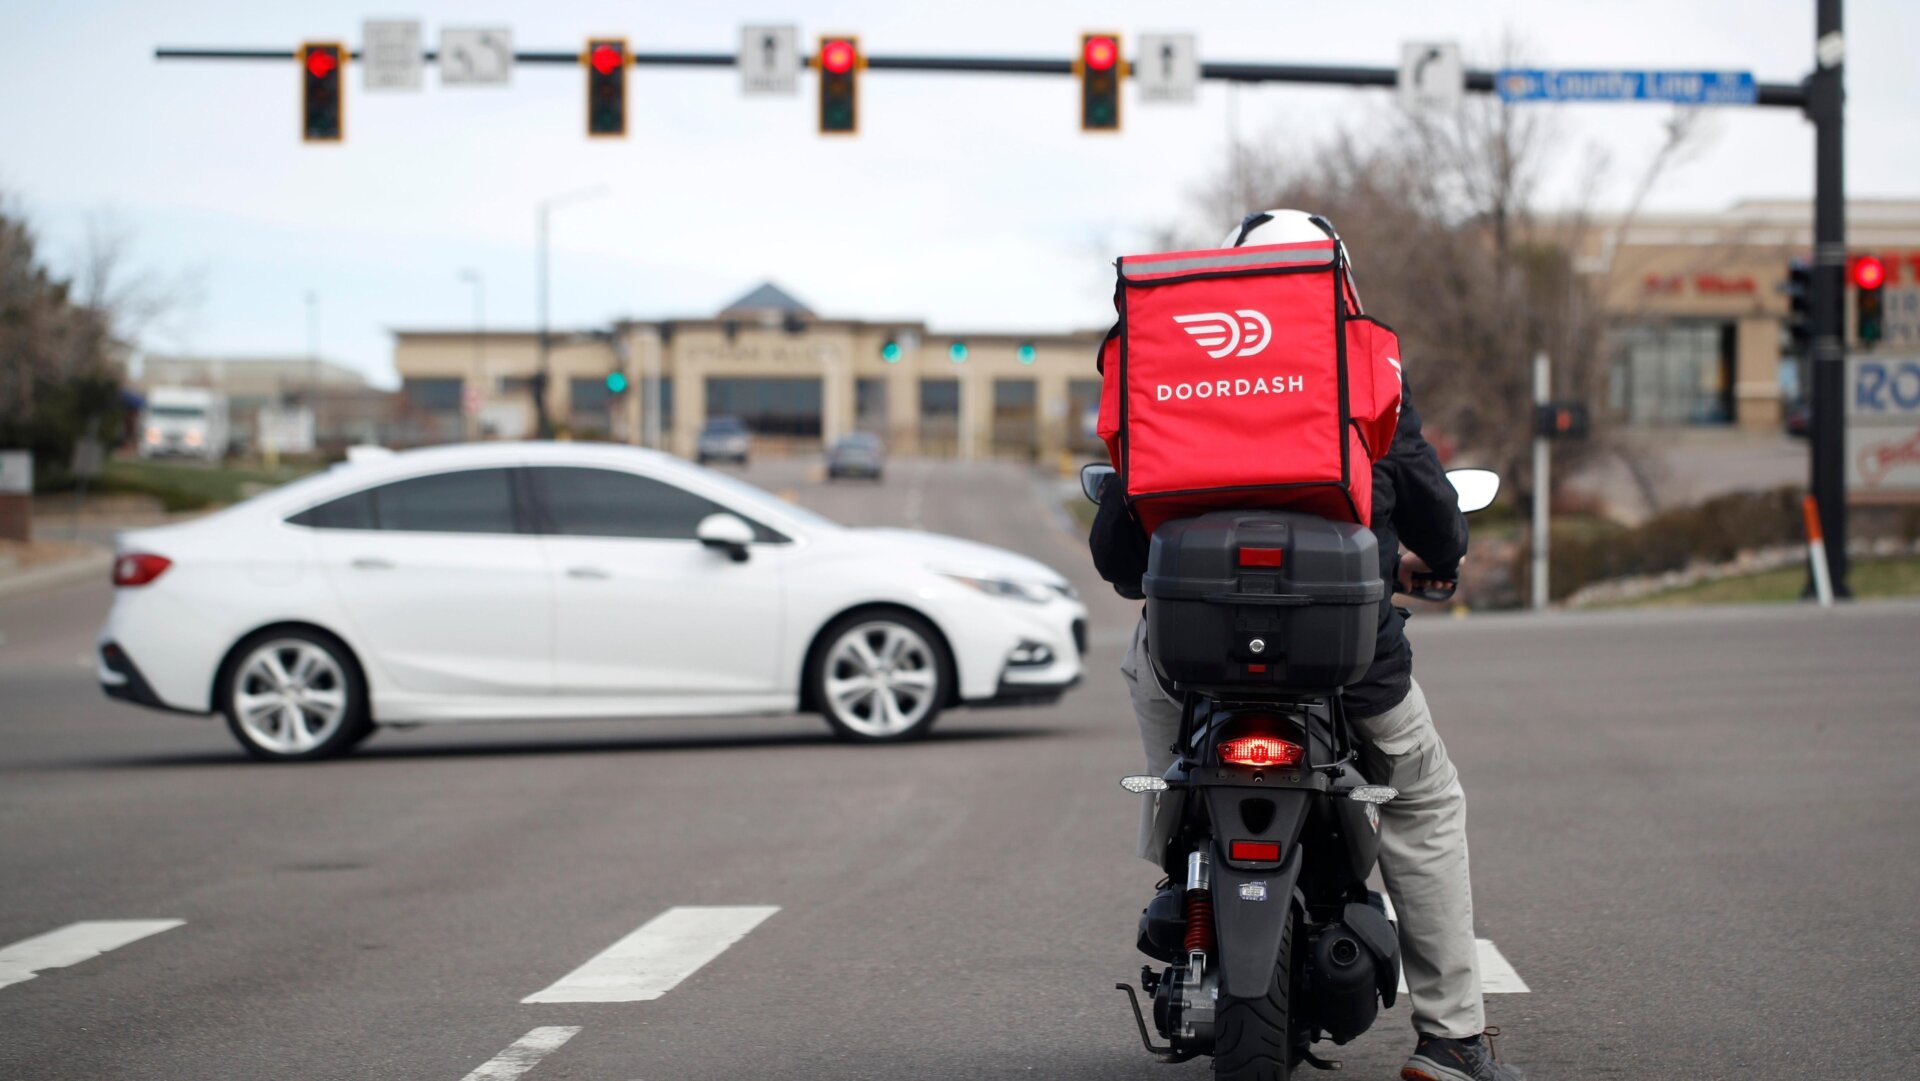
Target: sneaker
[1436,1058]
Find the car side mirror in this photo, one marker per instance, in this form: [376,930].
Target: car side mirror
[1475,487]
[1093,477]
[725,533]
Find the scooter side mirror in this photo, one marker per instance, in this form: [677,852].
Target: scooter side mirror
[1094,477]
[1475,487]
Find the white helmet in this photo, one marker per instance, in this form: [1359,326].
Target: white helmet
[1279,227]
[1289,227]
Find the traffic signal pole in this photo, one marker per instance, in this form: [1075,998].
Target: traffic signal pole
[1820,97]
[1825,106]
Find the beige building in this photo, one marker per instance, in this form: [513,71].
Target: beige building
[795,378]
[1694,303]
[1697,306]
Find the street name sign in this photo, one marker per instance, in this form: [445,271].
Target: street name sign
[1883,429]
[769,60]
[1433,78]
[1167,68]
[1679,87]
[476,55]
[390,54]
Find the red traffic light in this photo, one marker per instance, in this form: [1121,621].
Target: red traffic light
[606,59]
[837,56]
[1869,272]
[1100,53]
[321,62]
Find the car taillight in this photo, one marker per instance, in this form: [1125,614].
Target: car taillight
[1259,751]
[138,568]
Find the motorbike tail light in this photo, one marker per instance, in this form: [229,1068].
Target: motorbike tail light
[139,568]
[1260,751]
[1254,851]
[1262,557]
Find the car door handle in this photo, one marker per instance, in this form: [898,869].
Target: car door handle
[590,573]
[368,564]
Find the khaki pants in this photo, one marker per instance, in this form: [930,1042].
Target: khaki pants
[1423,842]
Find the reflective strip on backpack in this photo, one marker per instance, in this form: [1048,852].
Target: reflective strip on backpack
[1140,267]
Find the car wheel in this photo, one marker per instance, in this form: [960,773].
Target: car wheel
[880,677]
[294,695]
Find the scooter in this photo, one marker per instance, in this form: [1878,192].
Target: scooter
[1270,939]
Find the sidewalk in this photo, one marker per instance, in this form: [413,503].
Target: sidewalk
[43,564]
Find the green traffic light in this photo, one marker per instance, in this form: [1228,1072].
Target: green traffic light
[1026,352]
[617,382]
[890,352]
[958,351]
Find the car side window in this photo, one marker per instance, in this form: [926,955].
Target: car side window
[584,502]
[468,501]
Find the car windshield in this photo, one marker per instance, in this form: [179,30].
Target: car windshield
[859,441]
[189,411]
[749,497]
[724,426]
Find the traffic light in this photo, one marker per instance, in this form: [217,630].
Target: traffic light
[1869,277]
[890,351]
[839,64]
[322,109]
[616,383]
[957,352]
[1561,420]
[1027,353]
[1799,290]
[1099,70]
[606,87]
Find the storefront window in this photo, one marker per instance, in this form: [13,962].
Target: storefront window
[1675,373]
[1083,419]
[589,406]
[768,406]
[432,395]
[870,405]
[1015,415]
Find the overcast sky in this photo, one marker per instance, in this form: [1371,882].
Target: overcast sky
[973,202]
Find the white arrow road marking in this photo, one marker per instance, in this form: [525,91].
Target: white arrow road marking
[1497,977]
[525,1053]
[657,955]
[72,944]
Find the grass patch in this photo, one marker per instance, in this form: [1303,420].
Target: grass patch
[181,486]
[1871,578]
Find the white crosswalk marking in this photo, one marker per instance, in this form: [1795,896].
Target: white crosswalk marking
[524,1054]
[1497,977]
[657,955]
[72,944]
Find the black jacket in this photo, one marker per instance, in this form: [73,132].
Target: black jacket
[1412,502]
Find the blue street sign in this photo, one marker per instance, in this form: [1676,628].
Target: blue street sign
[1682,87]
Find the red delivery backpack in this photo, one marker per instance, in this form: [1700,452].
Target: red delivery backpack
[1246,377]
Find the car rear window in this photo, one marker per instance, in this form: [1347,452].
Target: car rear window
[469,501]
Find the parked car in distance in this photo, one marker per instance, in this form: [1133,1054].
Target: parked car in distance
[723,439]
[189,422]
[503,581]
[857,454]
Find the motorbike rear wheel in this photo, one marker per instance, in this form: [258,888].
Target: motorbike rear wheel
[1253,1038]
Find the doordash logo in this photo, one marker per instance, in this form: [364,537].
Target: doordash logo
[1245,330]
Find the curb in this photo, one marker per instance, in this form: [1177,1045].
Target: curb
[78,569]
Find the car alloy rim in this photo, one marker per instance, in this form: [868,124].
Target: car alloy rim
[290,696]
[881,679]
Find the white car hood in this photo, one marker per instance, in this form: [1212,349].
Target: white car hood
[944,553]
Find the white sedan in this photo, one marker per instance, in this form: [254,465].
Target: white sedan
[550,580]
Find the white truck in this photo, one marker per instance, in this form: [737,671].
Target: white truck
[190,422]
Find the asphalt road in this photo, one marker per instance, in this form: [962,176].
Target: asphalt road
[1694,840]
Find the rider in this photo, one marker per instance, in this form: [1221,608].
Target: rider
[1423,831]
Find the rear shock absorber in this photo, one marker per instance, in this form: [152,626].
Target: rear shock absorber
[1199,900]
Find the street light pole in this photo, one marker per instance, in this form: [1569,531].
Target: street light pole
[478,280]
[542,372]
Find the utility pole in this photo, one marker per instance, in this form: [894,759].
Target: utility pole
[1827,368]
[1542,479]
[543,372]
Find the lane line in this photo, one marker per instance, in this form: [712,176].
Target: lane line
[657,955]
[1497,976]
[72,944]
[524,1054]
